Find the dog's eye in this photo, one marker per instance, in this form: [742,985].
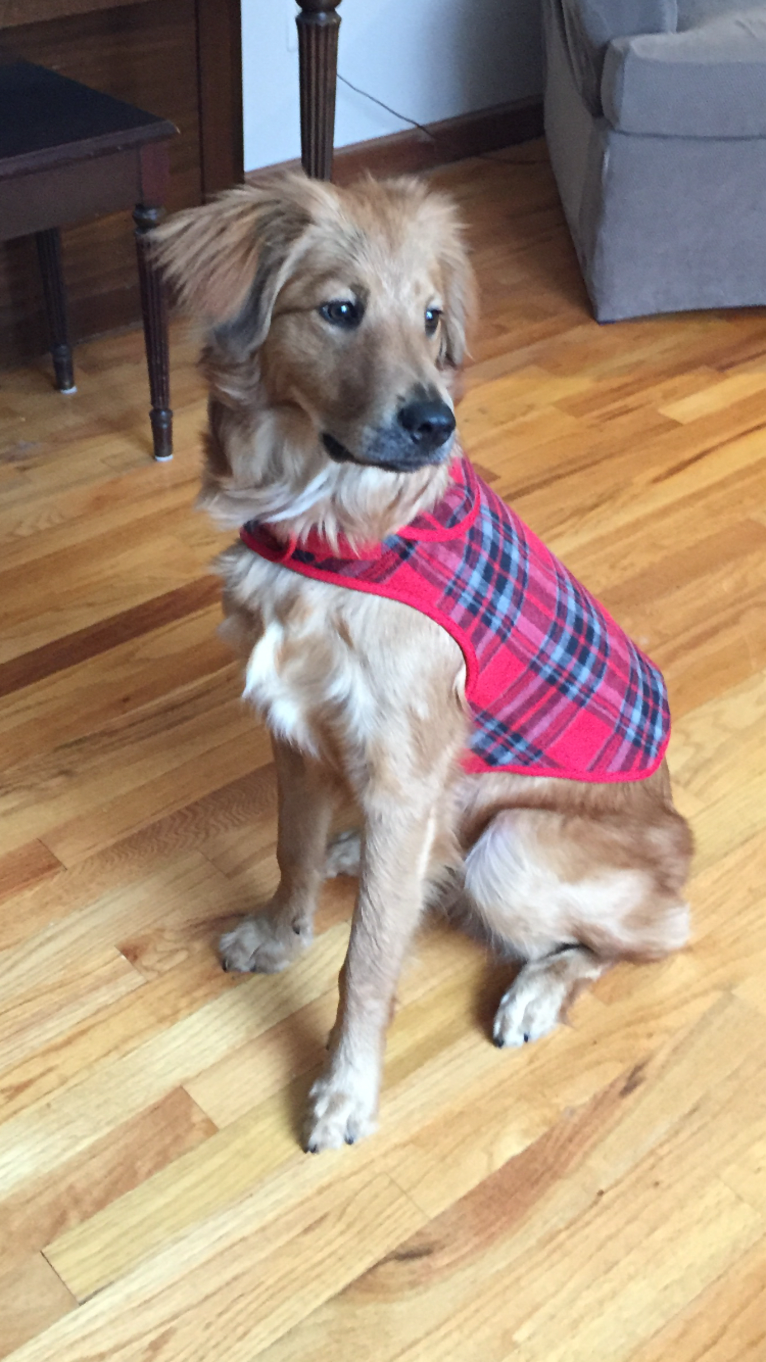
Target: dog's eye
[432,320]
[341,312]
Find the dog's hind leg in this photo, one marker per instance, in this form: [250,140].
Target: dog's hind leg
[269,941]
[571,895]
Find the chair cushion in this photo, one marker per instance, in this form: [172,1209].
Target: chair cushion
[693,13]
[590,25]
[704,81]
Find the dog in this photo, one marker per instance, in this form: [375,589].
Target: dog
[335,330]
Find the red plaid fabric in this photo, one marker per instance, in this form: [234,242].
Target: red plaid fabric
[554,686]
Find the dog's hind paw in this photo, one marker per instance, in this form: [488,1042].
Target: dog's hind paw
[541,993]
[254,947]
[529,1009]
[336,1117]
[343,855]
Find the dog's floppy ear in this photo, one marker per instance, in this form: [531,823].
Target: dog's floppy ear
[460,302]
[228,259]
[457,277]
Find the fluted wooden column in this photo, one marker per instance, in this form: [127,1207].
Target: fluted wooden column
[318,26]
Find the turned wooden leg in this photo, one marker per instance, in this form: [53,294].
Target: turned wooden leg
[318,26]
[154,308]
[49,255]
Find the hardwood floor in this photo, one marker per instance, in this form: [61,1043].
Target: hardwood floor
[599,1196]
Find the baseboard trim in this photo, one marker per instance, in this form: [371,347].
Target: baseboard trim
[452,139]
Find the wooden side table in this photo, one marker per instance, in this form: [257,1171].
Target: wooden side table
[67,153]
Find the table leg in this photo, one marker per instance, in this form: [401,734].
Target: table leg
[318,26]
[154,308]
[49,256]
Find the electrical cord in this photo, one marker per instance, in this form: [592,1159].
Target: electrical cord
[483,155]
[403,117]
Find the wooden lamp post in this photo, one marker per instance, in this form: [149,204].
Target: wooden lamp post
[318,26]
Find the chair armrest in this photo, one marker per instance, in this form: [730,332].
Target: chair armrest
[708,81]
[590,25]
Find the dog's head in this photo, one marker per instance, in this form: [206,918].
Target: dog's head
[351,304]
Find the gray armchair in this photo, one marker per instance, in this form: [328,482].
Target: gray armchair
[655,115]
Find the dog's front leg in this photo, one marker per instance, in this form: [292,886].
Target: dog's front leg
[271,940]
[396,846]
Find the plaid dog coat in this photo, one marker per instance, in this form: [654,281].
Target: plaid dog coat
[553,685]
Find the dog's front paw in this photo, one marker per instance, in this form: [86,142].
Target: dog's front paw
[255,947]
[338,1113]
[529,1009]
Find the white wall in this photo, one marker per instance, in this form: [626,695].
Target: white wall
[429,59]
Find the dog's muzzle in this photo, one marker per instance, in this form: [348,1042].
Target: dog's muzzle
[421,434]
[429,424]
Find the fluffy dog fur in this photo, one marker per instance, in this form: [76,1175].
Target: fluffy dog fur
[362,694]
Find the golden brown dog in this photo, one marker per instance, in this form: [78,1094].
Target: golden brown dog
[335,325]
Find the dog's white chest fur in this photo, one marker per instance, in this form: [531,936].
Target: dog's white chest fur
[273,692]
[331,664]
[299,674]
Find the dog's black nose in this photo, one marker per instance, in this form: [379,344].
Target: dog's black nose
[429,424]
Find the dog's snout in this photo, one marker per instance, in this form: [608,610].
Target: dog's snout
[430,424]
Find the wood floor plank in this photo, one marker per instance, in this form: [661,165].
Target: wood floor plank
[583,504]
[70,705]
[182,889]
[26,668]
[723,1322]
[94,828]
[226,810]
[26,866]
[732,820]
[261,1277]
[613,1282]
[44,1009]
[296,1045]
[80,1187]
[32,1297]
[644,1287]
[77,801]
[151,565]
[716,398]
[400,1300]
[660,1026]
[467,1284]
[114,1032]
[729,949]
[94,1253]
[40,1136]
[52,526]
[194,1188]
